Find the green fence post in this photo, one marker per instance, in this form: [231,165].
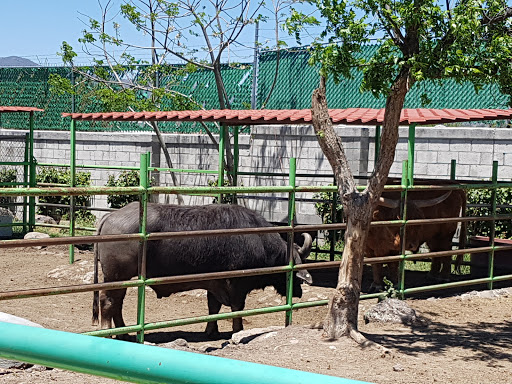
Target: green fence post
[72,164]
[26,170]
[236,160]
[291,215]
[493,222]
[377,143]
[223,136]
[143,209]
[410,154]
[453,168]
[406,177]
[32,176]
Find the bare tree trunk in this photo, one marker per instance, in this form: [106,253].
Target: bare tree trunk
[167,159]
[342,314]
[341,319]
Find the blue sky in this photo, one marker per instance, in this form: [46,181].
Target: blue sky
[35,29]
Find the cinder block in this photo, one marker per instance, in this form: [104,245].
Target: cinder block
[480,172]
[438,170]
[469,158]
[427,157]
[439,145]
[457,146]
[447,157]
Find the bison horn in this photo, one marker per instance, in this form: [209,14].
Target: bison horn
[305,250]
[388,203]
[431,202]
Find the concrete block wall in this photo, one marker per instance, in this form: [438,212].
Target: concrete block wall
[269,148]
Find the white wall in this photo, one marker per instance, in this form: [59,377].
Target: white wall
[269,148]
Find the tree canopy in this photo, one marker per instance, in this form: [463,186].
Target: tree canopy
[467,40]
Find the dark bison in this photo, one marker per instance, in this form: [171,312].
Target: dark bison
[182,256]
[428,204]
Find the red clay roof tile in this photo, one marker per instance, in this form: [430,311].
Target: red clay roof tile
[350,116]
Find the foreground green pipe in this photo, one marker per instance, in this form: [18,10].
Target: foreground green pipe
[140,363]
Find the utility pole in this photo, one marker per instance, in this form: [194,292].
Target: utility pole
[255,67]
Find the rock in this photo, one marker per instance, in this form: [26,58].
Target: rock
[78,271]
[243,337]
[398,368]
[7,318]
[6,217]
[391,311]
[178,344]
[45,219]
[488,295]
[37,235]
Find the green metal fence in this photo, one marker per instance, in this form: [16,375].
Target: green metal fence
[144,191]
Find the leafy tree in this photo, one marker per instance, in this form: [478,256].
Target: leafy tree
[420,40]
[170,27]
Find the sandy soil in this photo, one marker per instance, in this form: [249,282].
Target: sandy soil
[461,339]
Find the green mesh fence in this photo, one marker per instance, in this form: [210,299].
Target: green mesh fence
[29,87]
[297,80]
[295,83]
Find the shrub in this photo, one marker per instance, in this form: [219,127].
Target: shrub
[63,176]
[483,228]
[7,176]
[324,210]
[125,179]
[227,198]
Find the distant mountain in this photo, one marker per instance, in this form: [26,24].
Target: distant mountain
[15,61]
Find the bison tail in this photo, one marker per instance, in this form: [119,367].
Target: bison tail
[95,300]
[96,296]
[462,235]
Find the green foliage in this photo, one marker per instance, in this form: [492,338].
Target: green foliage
[125,179]
[227,198]
[483,228]
[420,39]
[7,175]
[390,292]
[324,209]
[63,176]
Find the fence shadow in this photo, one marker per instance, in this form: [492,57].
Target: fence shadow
[489,342]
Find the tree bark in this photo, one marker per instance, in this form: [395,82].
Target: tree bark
[342,314]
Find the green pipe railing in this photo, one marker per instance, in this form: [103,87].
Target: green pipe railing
[144,190]
[140,363]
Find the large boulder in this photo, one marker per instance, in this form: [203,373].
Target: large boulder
[391,311]
[37,235]
[45,219]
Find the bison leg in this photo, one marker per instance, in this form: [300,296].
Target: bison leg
[111,307]
[378,275]
[393,269]
[441,267]
[238,304]
[214,305]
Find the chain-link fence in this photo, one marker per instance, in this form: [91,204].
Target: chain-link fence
[13,151]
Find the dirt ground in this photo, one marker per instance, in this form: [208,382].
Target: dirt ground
[461,339]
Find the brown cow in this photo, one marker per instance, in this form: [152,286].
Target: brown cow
[428,204]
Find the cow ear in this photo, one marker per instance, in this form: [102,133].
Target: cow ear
[304,275]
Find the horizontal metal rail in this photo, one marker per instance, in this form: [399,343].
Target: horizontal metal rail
[223,232]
